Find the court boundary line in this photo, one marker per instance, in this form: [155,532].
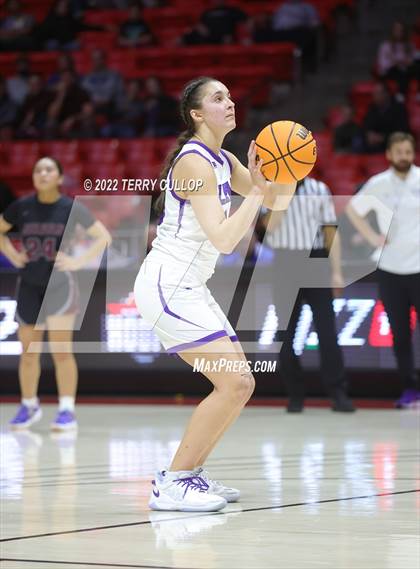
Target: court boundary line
[93,564]
[246,510]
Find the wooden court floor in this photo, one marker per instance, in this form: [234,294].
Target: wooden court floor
[319,490]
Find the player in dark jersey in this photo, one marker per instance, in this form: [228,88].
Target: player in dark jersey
[47,298]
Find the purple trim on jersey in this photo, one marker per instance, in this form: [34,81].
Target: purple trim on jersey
[223,153]
[209,150]
[175,195]
[180,213]
[234,338]
[166,308]
[225,192]
[196,343]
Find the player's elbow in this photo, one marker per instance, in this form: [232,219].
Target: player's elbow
[224,245]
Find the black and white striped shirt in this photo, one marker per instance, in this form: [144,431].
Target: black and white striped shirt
[301,226]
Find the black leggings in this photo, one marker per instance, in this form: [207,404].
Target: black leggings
[399,293]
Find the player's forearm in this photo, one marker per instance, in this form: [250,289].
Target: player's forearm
[362,226]
[334,248]
[95,250]
[235,227]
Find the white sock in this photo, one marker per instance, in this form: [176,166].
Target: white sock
[66,403]
[31,402]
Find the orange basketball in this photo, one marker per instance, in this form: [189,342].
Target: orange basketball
[288,151]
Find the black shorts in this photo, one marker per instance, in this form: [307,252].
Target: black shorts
[34,305]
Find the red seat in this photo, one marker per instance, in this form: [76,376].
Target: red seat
[140,149]
[67,152]
[24,154]
[73,179]
[105,17]
[104,40]
[18,177]
[8,63]
[374,163]
[105,172]
[164,146]
[101,151]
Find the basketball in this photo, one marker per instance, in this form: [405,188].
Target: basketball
[288,151]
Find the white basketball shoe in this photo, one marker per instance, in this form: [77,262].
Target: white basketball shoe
[217,488]
[183,491]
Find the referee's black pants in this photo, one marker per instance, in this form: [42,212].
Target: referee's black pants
[398,293]
[320,300]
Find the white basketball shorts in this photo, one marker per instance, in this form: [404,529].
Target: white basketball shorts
[181,311]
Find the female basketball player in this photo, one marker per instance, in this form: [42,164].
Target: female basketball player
[41,220]
[170,288]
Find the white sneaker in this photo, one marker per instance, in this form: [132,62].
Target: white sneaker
[184,492]
[217,488]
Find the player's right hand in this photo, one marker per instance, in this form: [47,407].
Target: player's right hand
[19,259]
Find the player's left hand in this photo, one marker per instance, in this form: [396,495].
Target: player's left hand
[66,263]
[337,284]
[254,167]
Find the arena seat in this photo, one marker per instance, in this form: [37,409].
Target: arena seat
[139,149]
[100,151]
[67,152]
[24,153]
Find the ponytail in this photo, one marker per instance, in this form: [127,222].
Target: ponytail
[180,141]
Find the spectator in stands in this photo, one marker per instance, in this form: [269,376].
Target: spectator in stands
[60,28]
[348,135]
[33,114]
[299,22]
[68,100]
[160,110]
[128,115]
[198,35]
[17,85]
[221,21]
[8,112]
[262,28]
[104,85]
[16,28]
[65,62]
[384,116]
[85,124]
[135,31]
[395,58]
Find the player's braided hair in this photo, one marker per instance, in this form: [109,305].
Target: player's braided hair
[191,99]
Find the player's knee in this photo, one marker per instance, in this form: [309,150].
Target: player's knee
[29,358]
[62,357]
[241,387]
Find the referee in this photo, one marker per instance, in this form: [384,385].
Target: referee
[398,188]
[311,212]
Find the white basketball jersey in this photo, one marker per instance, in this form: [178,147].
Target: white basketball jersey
[180,238]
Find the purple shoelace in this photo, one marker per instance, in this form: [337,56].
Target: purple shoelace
[193,483]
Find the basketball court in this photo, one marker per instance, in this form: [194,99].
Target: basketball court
[318,490]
